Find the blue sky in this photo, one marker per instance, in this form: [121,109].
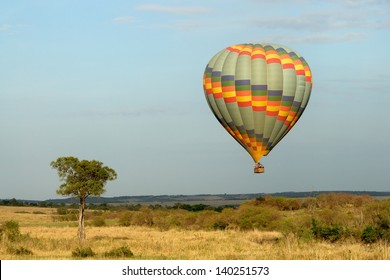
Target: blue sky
[121,82]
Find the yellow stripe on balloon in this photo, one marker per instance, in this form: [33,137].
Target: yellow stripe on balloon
[289,118]
[258,51]
[259,103]
[244,98]
[217,90]
[284,113]
[273,108]
[227,94]
[273,55]
[287,61]
[299,66]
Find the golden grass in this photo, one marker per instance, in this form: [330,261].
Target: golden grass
[52,240]
[149,243]
[27,216]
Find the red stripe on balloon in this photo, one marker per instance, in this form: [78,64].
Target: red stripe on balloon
[245,104]
[230,99]
[273,60]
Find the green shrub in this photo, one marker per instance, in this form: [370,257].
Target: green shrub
[220,225]
[379,230]
[19,251]
[143,217]
[99,222]
[256,217]
[125,219]
[10,230]
[120,252]
[382,223]
[370,235]
[82,252]
[62,211]
[66,214]
[330,233]
[299,226]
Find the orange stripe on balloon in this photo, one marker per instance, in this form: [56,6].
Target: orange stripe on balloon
[243,93]
[259,98]
[272,52]
[284,108]
[233,50]
[228,88]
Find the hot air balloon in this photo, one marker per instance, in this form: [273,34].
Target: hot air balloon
[257,92]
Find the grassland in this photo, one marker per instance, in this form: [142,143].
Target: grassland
[194,236]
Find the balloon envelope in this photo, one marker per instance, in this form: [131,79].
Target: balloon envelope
[257,92]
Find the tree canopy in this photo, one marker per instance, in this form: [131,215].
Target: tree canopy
[82,178]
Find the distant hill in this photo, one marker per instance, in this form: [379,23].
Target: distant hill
[169,200]
[211,199]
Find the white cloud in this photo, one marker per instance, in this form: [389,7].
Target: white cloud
[123,19]
[316,21]
[380,24]
[5,27]
[317,38]
[359,3]
[178,10]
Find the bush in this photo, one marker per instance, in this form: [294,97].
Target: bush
[299,226]
[10,230]
[220,225]
[370,235]
[120,252]
[256,217]
[383,226]
[99,222]
[65,214]
[142,217]
[125,219]
[62,211]
[330,233]
[83,252]
[19,251]
[380,230]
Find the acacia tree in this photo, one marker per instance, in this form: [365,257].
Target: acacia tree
[82,179]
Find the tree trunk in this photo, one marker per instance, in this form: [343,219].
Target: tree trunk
[81,230]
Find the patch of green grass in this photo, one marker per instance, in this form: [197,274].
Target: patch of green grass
[120,252]
[83,252]
[19,251]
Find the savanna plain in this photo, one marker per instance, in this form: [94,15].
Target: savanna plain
[331,226]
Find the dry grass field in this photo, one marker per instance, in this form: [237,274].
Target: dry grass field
[49,239]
